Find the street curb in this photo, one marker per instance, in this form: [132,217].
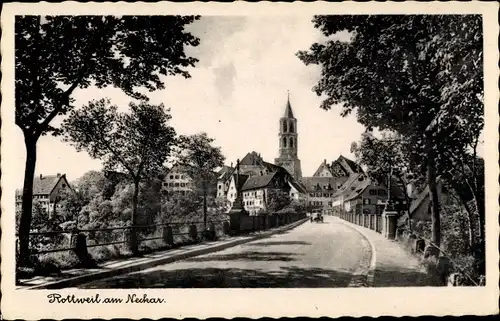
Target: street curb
[82,279]
[370,272]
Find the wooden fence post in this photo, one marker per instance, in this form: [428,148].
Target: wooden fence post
[168,235]
[193,232]
[79,243]
[225,227]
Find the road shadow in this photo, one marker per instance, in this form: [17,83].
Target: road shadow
[246,256]
[271,243]
[290,277]
[399,278]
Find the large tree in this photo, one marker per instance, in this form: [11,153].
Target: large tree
[54,55]
[200,159]
[384,159]
[136,142]
[417,75]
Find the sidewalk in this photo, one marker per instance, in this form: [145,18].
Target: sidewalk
[73,277]
[393,265]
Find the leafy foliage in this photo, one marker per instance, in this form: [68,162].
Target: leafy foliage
[54,55]
[138,142]
[134,142]
[200,160]
[277,199]
[417,75]
[105,51]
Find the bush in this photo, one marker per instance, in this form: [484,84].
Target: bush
[54,262]
[104,253]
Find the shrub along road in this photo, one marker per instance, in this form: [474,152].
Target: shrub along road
[327,254]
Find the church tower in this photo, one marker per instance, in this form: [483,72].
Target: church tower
[288,143]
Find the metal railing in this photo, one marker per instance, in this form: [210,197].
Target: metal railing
[441,251]
[120,238]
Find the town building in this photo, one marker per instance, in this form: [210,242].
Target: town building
[326,181]
[235,185]
[363,195]
[288,143]
[47,192]
[223,180]
[320,191]
[177,180]
[250,165]
[257,189]
[298,192]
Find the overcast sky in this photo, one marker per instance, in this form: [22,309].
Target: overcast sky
[237,94]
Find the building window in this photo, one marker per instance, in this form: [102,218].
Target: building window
[176,176]
[171,176]
[291,127]
[183,184]
[284,127]
[291,142]
[220,186]
[176,185]
[284,142]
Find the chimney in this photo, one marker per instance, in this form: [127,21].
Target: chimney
[231,164]
[324,162]
[41,176]
[58,174]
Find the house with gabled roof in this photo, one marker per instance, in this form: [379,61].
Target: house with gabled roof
[250,165]
[297,192]
[47,192]
[235,185]
[177,180]
[363,195]
[256,189]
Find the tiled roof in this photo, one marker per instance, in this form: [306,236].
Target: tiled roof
[298,186]
[359,187]
[323,166]
[349,164]
[241,180]
[251,159]
[420,198]
[45,184]
[255,182]
[349,185]
[225,173]
[311,183]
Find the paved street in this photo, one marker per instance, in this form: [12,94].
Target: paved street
[311,255]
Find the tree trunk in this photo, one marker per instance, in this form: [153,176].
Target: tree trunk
[205,207]
[134,246]
[479,247]
[433,196]
[27,200]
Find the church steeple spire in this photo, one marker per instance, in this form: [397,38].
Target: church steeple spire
[288,108]
[288,142]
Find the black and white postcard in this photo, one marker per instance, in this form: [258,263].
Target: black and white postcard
[249,160]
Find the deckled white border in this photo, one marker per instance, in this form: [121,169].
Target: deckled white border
[255,303]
